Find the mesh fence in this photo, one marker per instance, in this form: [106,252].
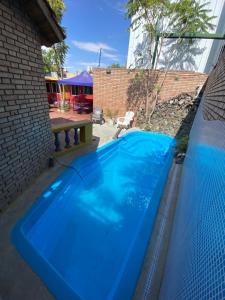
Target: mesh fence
[195,267]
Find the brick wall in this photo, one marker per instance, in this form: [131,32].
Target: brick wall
[115,90]
[25,135]
[214,105]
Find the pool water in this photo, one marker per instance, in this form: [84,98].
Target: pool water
[86,235]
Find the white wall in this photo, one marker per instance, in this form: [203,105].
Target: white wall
[201,56]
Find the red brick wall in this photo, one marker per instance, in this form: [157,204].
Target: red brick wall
[111,90]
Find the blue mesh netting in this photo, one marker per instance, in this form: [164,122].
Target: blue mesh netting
[195,267]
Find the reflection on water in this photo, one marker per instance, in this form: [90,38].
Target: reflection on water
[87,230]
[97,208]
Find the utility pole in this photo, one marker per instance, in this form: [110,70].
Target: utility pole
[99,58]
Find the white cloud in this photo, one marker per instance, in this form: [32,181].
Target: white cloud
[87,63]
[92,47]
[107,51]
[90,64]
[111,56]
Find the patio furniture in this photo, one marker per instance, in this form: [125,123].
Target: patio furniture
[126,121]
[83,106]
[97,116]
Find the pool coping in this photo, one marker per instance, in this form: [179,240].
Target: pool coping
[149,282]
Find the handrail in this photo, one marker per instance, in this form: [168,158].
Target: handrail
[69,125]
[82,134]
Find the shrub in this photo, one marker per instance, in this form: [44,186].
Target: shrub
[147,128]
[182,144]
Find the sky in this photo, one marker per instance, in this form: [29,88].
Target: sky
[91,25]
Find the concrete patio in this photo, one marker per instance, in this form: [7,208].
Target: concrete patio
[58,117]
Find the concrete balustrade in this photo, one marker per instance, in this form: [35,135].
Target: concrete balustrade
[74,134]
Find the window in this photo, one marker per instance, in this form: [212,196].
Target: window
[75,90]
[48,87]
[55,87]
[88,90]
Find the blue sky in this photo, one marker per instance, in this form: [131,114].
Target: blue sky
[95,24]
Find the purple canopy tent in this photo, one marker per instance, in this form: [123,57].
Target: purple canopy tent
[81,102]
[83,79]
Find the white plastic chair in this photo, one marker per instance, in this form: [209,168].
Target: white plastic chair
[125,121]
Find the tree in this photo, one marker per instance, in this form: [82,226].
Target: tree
[116,66]
[48,59]
[60,50]
[162,17]
[58,7]
[54,57]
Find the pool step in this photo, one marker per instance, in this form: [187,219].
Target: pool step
[85,166]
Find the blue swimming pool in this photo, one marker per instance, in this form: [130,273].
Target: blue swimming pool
[87,234]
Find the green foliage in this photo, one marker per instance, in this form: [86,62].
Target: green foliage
[116,66]
[159,18]
[58,7]
[147,128]
[60,50]
[54,57]
[182,144]
[157,88]
[191,17]
[111,114]
[180,16]
[48,59]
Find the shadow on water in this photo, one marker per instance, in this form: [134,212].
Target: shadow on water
[111,192]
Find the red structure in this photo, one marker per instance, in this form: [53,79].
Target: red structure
[52,90]
[81,98]
[78,91]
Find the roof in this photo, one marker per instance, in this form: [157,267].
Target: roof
[83,79]
[44,18]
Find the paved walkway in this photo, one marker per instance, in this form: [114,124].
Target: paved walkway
[58,117]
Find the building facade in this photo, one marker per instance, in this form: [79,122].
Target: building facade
[25,133]
[201,56]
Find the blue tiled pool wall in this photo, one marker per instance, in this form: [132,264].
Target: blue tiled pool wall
[125,285]
[131,273]
[195,267]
